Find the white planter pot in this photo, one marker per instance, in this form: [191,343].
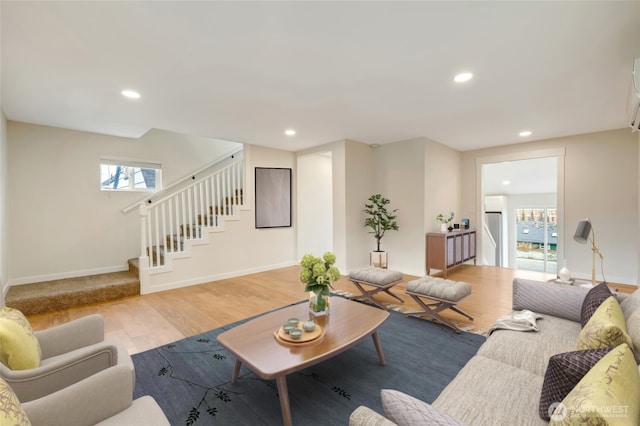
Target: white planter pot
[443,227]
[378,259]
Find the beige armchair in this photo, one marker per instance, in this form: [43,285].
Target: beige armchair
[71,352]
[103,399]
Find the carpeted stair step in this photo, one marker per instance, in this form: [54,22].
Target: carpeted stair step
[70,292]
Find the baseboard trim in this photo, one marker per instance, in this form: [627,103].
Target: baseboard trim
[209,278]
[64,275]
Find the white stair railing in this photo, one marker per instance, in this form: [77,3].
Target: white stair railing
[168,223]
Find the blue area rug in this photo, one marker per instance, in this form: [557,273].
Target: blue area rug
[191,378]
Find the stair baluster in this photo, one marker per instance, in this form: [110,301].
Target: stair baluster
[185,215]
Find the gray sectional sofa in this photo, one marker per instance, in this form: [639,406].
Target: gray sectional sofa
[502,384]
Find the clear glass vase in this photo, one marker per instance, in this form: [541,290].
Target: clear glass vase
[318,304]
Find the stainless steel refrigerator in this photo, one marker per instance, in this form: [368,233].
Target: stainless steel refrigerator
[494,223]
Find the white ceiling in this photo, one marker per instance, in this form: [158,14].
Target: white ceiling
[533,176]
[377,72]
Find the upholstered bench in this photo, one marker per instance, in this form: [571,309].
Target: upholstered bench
[442,294]
[378,279]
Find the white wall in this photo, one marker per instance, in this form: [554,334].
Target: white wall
[315,204]
[352,181]
[400,177]
[418,176]
[600,182]
[421,178]
[442,183]
[359,180]
[241,249]
[4,162]
[61,223]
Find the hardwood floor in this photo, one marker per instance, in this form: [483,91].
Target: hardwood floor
[144,322]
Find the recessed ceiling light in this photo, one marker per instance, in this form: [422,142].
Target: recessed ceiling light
[506,182]
[462,77]
[290,132]
[525,133]
[132,94]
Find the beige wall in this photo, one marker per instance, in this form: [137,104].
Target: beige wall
[359,178]
[400,177]
[352,175]
[314,221]
[600,182]
[61,223]
[338,198]
[442,185]
[71,227]
[421,177]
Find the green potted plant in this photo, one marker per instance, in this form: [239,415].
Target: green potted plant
[379,221]
[445,222]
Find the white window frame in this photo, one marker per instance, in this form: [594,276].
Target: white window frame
[132,166]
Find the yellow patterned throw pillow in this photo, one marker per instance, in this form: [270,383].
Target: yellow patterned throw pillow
[11,412]
[19,347]
[605,329]
[607,395]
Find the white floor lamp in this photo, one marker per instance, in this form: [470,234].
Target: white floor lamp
[583,232]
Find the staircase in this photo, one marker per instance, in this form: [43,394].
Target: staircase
[170,227]
[212,221]
[66,293]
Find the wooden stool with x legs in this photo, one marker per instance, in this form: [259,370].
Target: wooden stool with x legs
[377,279]
[442,294]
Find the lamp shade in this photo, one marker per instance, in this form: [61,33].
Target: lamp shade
[582,231]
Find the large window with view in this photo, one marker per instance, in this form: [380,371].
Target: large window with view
[119,175]
[537,239]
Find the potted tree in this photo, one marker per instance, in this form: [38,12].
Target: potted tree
[379,221]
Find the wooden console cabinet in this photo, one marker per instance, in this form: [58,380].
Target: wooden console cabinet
[446,250]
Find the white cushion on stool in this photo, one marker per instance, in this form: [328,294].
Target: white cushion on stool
[440,288]
[375,276]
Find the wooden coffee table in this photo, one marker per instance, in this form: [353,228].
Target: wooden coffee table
[254,344]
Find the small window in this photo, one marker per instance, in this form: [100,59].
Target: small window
[124,175]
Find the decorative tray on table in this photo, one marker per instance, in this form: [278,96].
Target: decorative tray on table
[306,337]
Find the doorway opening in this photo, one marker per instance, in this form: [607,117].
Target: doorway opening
[521,210]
